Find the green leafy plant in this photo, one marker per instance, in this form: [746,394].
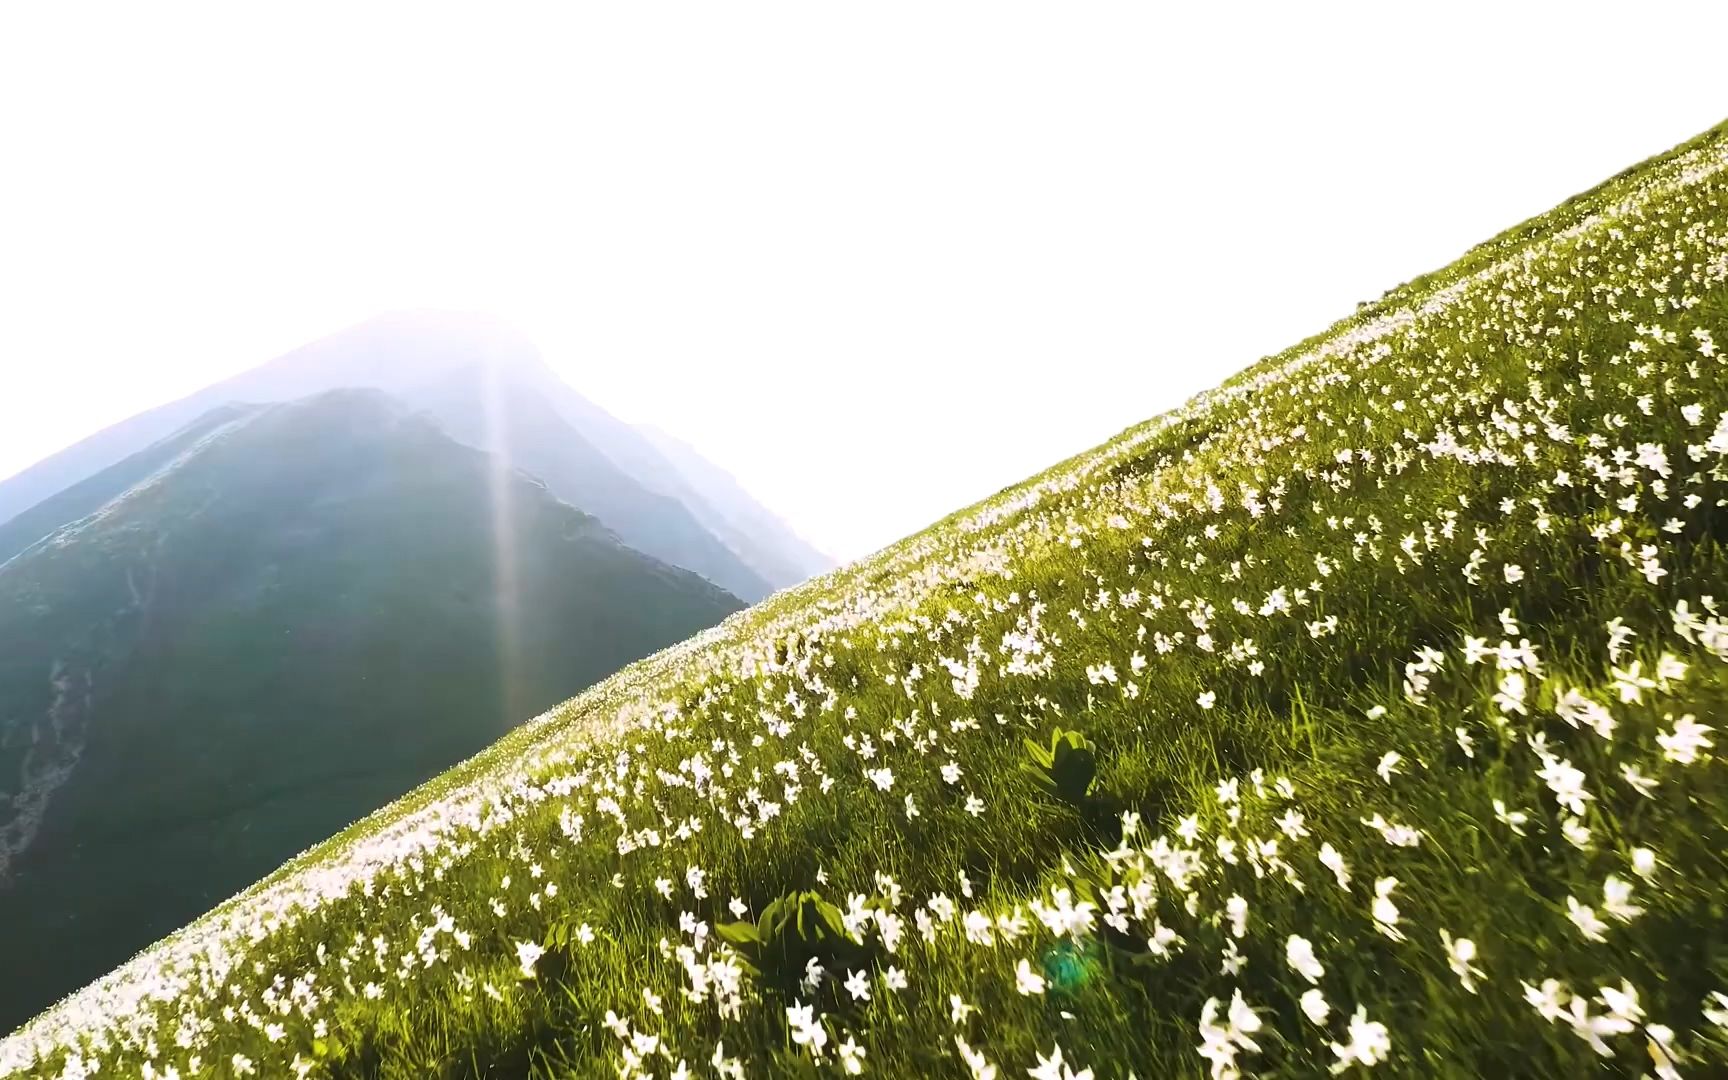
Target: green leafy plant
[1066,769]
[792,931]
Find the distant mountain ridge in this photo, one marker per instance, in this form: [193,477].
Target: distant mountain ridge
[262,628]
[767,544]
[505,413]
[604,465]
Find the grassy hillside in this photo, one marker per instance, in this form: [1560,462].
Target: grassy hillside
[1355,716]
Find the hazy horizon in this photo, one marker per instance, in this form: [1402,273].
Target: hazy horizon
[876,268]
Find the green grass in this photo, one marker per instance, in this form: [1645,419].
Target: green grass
[1389,619]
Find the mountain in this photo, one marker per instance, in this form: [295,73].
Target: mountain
[504,413]
[674,468]
[765,543]
[262,628]
[593,460]
[1361,716]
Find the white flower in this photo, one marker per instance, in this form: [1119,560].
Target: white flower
[1026,980]
[1299,954]
[858,985]
[894,978]
[1384,910]
[1617,899]
[1054,1068]
[1163,940]
[1510,697]
[975,1060]
[1514,573]
[1314,1006]
[730,1068]
[1663,1056]
[807,1030]
[1549,999]
[1718,1014]
[1221,1044]
[1233,960]
[1592,1028]
[1585,919]
[527,952]
[1643,785]
[1242,1017]
[1622,1001]
[1566,782]
[1389,764]
[1618,634]
[1393,833]
[1188,829]
[1207,699]
[958,1010]
[1576,709]
[1369,1043]
[1237,909]
[851,1056]
[1629,684]
[977,926]
[1291,825]
[1513,819]
[1331,860]
[1644,862]
[1682,744]
[1064,916]
[1459,954]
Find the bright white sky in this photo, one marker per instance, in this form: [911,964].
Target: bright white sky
[879,260]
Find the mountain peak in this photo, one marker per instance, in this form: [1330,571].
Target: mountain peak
[401,349]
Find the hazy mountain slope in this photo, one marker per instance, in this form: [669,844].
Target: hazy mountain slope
[487,408]
[408,354]
[387,353]
[679,471]
[289,626]
[1360,716]
[89,495]
[767,544]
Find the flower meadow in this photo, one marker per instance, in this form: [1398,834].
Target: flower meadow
[1362,716]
